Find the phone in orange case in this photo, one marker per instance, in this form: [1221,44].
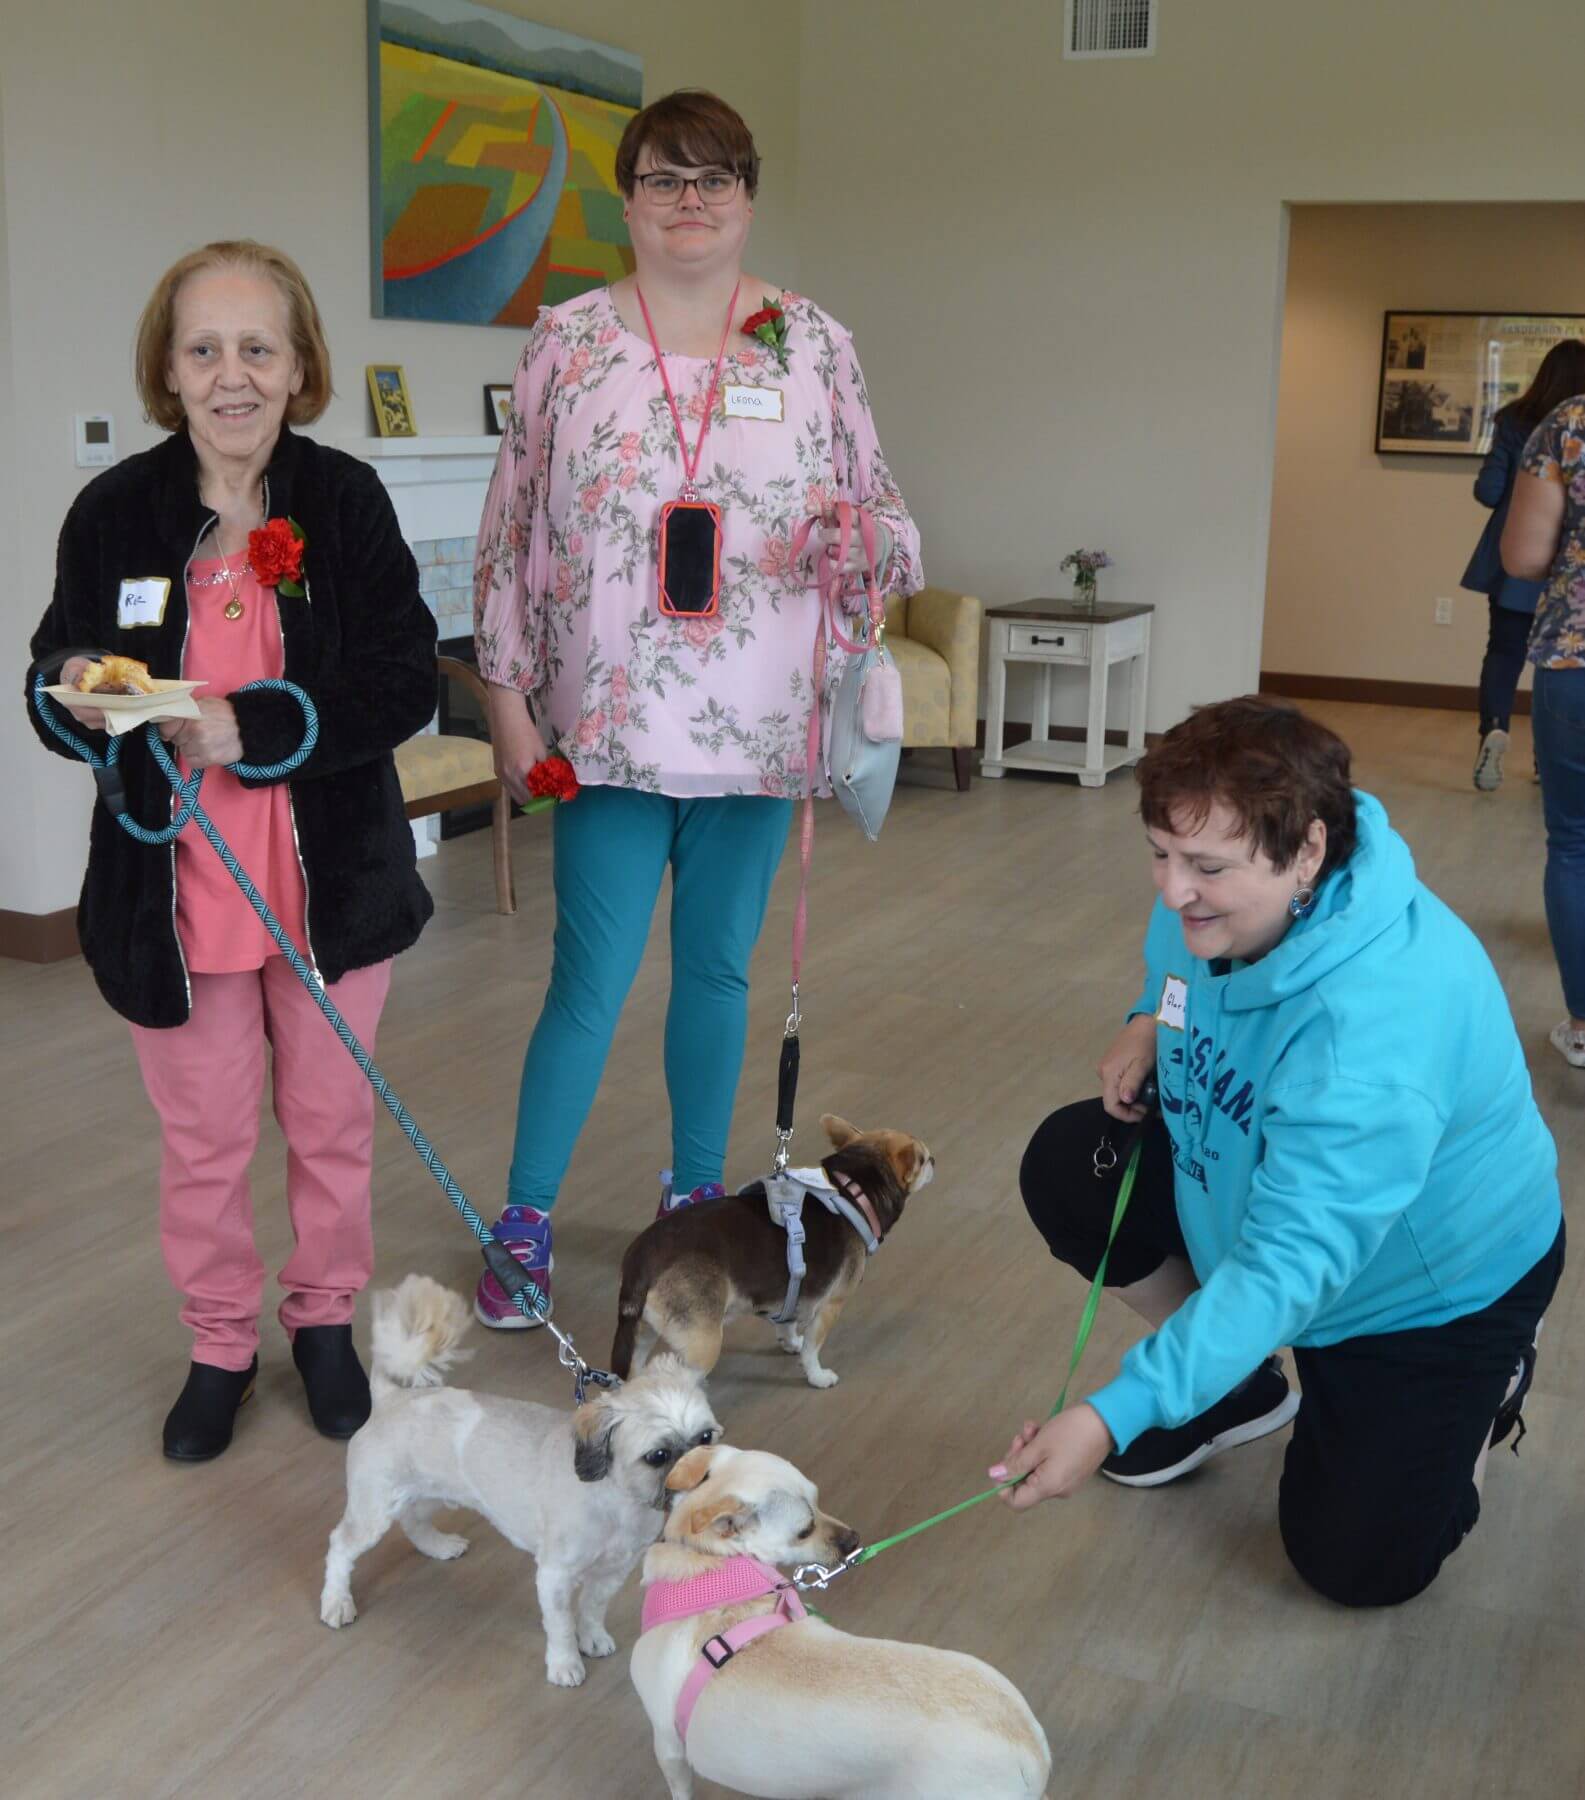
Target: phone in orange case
[690,559]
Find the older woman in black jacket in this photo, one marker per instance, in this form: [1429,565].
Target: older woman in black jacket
[175,558]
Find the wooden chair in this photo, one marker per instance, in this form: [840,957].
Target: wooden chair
[439,771]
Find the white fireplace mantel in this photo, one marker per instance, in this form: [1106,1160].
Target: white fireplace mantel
[437,484]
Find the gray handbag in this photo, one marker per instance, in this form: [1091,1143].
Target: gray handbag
[863,735]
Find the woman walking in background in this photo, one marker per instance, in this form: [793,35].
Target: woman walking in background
[1510,598]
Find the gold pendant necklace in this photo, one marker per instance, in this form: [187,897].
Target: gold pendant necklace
[233,609]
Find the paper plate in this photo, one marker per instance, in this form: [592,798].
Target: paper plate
[124,712]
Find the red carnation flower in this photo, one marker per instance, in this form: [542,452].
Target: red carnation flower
[765,316]
[550,781]
[768,326]
[275,551]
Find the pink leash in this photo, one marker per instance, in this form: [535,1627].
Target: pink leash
[846,514]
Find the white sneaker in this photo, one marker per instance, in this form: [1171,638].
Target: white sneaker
[1488,764]
[1569,1044]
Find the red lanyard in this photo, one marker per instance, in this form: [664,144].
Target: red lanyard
[690,468]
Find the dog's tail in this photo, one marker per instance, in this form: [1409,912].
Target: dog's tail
[418,1331]
[629,1310]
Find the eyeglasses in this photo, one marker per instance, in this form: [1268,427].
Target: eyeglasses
[715,187]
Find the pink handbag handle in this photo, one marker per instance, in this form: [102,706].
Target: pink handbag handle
[830,604]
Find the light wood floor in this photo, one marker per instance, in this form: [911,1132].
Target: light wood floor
[160,1629]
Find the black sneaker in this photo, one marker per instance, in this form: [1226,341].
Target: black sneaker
[1262,1404]
[1511,1412]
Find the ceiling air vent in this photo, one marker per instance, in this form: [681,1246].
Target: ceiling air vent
[1109,28]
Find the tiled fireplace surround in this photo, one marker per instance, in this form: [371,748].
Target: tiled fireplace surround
[437,486]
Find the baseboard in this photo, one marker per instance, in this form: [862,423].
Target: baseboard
[39,937]
[1441,697]
[1016,733]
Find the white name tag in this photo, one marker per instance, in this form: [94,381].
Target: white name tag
[142,602]
[753,403]
[1174,1006]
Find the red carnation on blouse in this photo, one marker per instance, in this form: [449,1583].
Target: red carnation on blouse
[764,316]
[275,551]
[552,780]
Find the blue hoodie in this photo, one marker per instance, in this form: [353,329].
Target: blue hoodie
[1356,1143]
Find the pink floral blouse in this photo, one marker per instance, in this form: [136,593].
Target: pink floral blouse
[566,582]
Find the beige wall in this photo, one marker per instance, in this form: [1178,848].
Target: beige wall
[1066,277]
[135,129]
[1362,545]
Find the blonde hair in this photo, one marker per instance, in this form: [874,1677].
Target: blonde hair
[157,328]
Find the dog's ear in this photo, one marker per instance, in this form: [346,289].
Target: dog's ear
[592,1431]
[691,1469]
[840,1132]
[726,1517]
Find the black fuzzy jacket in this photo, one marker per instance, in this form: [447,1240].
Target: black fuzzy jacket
[361,645]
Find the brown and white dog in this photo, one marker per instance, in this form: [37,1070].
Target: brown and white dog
[801,1709]
[696,1268]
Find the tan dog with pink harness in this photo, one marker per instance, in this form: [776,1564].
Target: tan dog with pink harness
[747,1688]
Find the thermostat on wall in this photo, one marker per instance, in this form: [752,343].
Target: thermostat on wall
[95,439]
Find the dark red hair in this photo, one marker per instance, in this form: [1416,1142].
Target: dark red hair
[1272,767]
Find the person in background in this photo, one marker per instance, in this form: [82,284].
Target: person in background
[1511,601]
[1544,540]
[687,731]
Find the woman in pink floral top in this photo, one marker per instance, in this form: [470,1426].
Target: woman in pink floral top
[1544,540]
[687,733]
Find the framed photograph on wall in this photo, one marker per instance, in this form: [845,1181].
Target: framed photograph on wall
[393,410]
[1444,375]
[497,403]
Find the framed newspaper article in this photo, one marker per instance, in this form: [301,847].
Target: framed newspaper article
[1445,374]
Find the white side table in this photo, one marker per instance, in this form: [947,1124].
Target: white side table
[1056,635]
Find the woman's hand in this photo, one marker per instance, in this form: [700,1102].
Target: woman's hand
[1058,1457]
[515,740]
[212,740]
[825,550]
[1124,1067]
[71,673]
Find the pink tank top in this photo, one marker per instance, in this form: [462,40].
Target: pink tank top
[219,931]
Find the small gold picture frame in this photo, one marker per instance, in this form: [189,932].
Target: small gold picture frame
[393,408]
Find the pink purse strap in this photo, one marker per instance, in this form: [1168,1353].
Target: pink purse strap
[846,516]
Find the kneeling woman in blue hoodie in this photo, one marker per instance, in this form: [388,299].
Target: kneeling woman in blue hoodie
[1347,1160]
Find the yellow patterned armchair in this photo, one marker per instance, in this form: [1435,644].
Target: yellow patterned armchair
[934,636]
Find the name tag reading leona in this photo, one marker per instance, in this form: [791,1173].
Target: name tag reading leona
[753,403]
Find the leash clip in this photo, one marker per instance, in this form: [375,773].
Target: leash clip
[817,1575]
[1105,1158]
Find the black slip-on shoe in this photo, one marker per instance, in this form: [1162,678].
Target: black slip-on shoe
[1256,1407]
[198,1427]
[333,1378]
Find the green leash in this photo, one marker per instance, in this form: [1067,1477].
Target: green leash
[1081,1338]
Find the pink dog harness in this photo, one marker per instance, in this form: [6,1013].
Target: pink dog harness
[734,1580]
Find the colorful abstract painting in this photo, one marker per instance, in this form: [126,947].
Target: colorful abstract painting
[493,162]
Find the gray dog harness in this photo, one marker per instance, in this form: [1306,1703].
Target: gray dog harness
[785,1195]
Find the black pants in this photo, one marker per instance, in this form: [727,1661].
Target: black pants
[1507,636]
[1377,1489]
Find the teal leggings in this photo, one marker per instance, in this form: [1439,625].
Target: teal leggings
[612,847]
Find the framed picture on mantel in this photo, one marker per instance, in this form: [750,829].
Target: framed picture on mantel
[1444,375]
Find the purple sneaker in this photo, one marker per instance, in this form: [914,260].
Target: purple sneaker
[670,1202]
[525,1231]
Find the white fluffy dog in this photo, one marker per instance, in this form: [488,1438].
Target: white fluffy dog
[582,1492]
[806,1710]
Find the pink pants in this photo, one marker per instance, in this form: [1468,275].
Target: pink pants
[206,1079]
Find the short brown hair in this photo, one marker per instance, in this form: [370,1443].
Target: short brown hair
[1272,767]
[694,129]
[157,328]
